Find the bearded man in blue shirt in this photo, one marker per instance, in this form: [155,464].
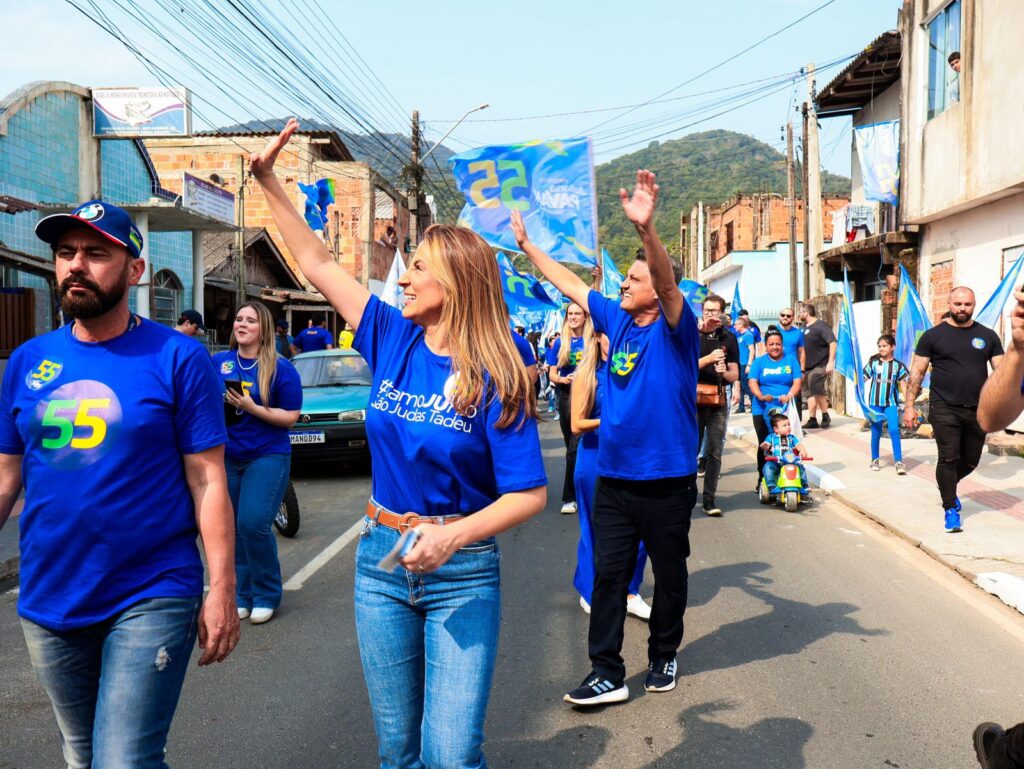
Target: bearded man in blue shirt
[646,463]
[115,425]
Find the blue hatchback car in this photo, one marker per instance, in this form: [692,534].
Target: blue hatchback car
[335,395]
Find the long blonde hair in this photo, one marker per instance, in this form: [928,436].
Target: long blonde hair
[586,370]
[586,333]
[475,318]
[266,357]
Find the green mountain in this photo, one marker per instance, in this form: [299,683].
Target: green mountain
[711,166]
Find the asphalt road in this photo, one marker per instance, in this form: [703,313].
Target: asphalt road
[812,640]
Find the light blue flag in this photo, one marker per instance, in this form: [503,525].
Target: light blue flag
[878,147]
[550,182]
[523,293]
[318,197]
[611,278]
[848,361]
[695,294]
[737,304]
[990,314]
[911,321]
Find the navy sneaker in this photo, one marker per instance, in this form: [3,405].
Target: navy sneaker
[597,690]
[953,521]
[661,676]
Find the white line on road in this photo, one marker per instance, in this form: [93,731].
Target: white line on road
[311,568]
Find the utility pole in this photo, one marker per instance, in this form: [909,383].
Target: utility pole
[417,177]
[700,237]
[240,243]
[815,236]
[794,289]
[803,178]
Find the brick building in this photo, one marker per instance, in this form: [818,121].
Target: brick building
[357,223]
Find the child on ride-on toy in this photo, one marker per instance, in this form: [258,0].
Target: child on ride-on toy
[779,441]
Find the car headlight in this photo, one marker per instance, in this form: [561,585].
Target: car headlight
[355,415]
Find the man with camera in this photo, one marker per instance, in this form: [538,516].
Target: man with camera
[719,366]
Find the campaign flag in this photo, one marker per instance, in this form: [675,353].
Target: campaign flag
[611,278]
[392,293]
[848,361]
[911,321]
[695,294]
[552,323]
[993,309]
[550,182]
[878,147]
[523,293]
[318,197]
[737,304]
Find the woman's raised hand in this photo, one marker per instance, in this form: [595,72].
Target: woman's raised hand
[518,227]
[261,164]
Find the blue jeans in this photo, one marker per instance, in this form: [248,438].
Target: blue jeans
[257,487]
[428,644]
[892,419]
[114,685]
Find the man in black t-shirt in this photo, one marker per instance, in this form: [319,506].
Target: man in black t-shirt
[820,358]
[719,365]
[960,352]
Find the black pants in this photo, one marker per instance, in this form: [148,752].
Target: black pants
[571,441]
[960,441]
[761,431]
[626,512]
[1008,750]
[711,419]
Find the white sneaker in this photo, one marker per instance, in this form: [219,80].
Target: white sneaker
[638,607]
[243,613]
[584,605]
[260,615]
[569,508]
[875,465]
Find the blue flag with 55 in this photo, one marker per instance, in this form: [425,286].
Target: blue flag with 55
[550,182]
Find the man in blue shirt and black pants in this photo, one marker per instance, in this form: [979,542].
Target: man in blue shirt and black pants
[646,463]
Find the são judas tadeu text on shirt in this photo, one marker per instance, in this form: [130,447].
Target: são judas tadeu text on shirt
[108,519]
[427,458]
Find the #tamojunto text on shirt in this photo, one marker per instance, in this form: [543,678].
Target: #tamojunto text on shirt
[435,408]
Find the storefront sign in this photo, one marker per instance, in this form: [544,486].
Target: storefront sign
[129,113]
[207,199]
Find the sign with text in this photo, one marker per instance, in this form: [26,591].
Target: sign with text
[207,199]
[134,113]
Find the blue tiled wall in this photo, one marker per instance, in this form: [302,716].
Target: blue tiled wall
[123,172]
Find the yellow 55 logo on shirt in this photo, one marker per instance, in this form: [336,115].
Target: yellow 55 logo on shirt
[623,362]
[43,374]
[77,423]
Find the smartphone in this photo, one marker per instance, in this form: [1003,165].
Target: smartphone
[402,548]
[235,385]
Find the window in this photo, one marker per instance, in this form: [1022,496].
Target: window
[167,294]
[944,59]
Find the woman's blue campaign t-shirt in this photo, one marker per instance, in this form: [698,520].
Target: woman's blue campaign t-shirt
[589,441]
[774,377]
[576,346]
[108,518]
[427,458]
[649,411]
[249,436]
[525,350]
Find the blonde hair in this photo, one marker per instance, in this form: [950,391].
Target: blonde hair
[475,319]
[586,371]
[565,346]
[266,356]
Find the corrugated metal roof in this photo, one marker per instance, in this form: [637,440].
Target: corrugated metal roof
[875,69]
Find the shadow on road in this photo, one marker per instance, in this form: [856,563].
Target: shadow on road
[572,748]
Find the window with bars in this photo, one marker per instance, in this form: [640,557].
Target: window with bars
[167,296]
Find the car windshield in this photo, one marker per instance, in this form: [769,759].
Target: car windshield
[333,370]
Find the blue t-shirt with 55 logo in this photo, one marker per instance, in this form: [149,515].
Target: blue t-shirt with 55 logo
[108,518]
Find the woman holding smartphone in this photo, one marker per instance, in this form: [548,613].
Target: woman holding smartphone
[263,398]
[455,454]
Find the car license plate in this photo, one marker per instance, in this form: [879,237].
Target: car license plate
[313,437]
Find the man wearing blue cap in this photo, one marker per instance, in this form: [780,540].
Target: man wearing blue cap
[115,426]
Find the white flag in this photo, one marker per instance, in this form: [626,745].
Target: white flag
[794,421]
[392,292]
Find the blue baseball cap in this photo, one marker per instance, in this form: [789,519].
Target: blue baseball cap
[108,220]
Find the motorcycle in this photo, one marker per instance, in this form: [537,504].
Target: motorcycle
[287,519]
[789,487]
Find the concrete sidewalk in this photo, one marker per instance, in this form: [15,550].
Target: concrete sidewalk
[989,551]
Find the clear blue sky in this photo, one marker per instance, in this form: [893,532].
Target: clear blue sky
[528,58]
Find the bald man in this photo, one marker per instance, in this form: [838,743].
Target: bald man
[960,352]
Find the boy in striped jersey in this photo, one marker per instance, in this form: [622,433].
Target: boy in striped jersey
[885,374]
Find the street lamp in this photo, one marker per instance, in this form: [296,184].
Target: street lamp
[454,126]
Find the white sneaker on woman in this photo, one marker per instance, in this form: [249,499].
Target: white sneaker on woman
[260,615]
[584,605]
[638,607]
[243,613]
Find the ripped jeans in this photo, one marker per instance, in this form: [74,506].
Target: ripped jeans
[428,643]
[114,686]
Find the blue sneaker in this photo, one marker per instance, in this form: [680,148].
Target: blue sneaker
[956,505]
[953,521]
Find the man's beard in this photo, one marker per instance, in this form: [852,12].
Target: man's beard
[961,317]
[86,306]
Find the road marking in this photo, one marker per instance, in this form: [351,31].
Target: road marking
[850,531]
[321,560]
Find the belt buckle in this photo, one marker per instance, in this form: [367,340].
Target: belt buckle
[406,521]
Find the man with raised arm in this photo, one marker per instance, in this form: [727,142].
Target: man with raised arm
[646,463]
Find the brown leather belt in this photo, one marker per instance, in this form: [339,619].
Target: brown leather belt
[401,522]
